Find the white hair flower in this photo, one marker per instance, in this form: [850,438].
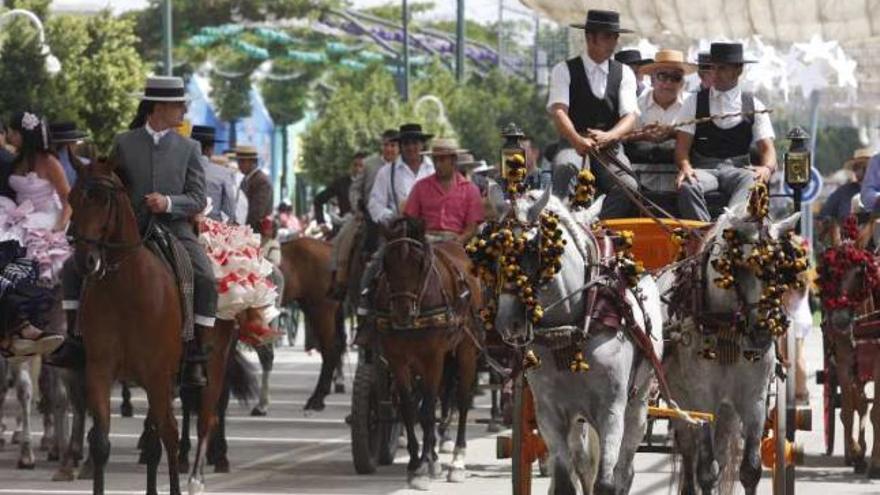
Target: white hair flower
[29,121]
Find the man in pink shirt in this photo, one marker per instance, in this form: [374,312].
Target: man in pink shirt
[449,204]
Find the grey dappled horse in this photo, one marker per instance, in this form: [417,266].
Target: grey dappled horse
[611,398]
[736,393]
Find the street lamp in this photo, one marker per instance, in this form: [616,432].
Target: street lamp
[797,163]
[53,65]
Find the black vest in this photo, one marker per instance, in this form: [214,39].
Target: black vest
[714,142]
[584,109]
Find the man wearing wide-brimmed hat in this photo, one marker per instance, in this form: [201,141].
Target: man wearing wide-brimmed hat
[652,149]
[166,182]
[714,155]
[394,182]
[256,186]
[633,59]
[593,104]
[839,204]
[64,137]
[448,202]
[704,70]
[219,180]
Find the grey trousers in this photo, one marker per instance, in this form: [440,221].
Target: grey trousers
[616,204]
[728,176]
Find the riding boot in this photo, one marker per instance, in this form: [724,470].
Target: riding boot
[193,373]
[72,353]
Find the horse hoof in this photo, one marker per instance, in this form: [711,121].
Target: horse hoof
[456,475]
[222,465]
[258,412]
[436,470]
[195,487]
[126,410]
[447,446]
[874,473]
[314,404]
[64,474]
[23,464]
[420,482]
[859,465]
[339,388]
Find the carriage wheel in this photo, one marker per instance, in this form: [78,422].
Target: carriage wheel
[829,401]
[522,463]
[365,424]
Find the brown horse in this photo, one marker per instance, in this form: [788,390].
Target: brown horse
[305,263]
[425,303]
[849,365]
[130,318]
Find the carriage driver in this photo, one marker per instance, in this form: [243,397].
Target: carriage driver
[593,104]
[387,201]
[715,155]
[163,174]
[448,203]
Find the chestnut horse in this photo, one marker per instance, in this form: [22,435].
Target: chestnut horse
[305,264]
[130,318]
[426,301]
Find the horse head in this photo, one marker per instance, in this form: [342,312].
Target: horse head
[406,262]
[102,216]
[740,300]
[513,320]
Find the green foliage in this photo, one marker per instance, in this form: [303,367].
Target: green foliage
[100,73]
[38,7]
[393,10]
[287,98]
[354,115]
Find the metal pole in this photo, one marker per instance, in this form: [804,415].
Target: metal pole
[284,188]
[500,34]
[459,42]
[405,51]
[167,37]
[535,51]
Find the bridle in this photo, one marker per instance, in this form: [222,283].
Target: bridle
[102,243]
[427,272]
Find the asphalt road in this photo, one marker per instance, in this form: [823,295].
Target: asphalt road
[288,452]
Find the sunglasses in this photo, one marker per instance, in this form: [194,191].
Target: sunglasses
[673,77]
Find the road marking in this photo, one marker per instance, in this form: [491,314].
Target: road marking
[255,476]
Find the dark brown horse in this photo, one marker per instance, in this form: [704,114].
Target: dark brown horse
[129,315]
[426,301]
[305,263]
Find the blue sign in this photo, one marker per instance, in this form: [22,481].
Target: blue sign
[812,189]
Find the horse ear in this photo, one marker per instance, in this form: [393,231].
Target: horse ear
[777,229]
[590,215]
[535,210]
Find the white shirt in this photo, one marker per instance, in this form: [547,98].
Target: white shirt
[381,205]
[727,102]
[597,74]
[652,113]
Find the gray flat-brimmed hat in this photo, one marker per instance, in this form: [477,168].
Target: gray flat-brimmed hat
[164,89]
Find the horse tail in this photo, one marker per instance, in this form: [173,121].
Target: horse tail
[241,376]
[729,478]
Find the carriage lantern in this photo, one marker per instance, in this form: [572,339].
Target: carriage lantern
[512,135]
[797,159]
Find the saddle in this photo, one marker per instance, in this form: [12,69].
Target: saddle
[170,250]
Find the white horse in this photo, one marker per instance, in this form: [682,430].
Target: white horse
[606,406]
[735,392]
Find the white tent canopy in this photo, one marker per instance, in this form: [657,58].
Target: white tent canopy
[774,20]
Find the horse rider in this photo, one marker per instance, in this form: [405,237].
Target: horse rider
[633,59]
[65,136]
[838,206]
[652,149]
[593,104]
[255,185]
[388,201]
[448,203]
[165,179]
[339,190]
[714,155]
[219,180]
[358,194]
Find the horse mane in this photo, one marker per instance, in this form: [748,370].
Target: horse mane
[407,227]
[577,233]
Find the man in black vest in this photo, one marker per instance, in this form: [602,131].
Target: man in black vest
[593,104]
[715,155]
